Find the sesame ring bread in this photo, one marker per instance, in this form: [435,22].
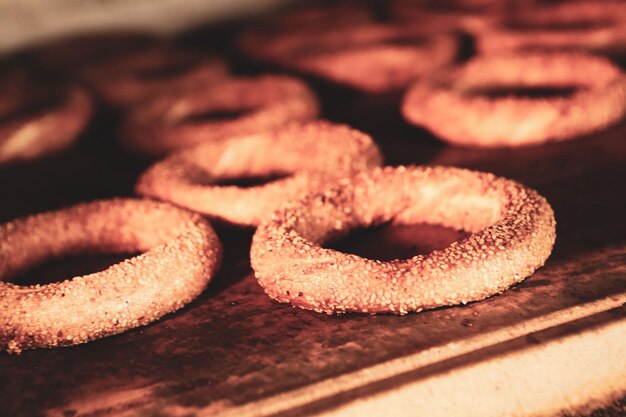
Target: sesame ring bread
[512,234]
[596,26]
[258,42]
[129,79]
[368,57]
[308,154]
[251,104]
[457,108]
[380,66]
[37,122]
[456,15]
[180,254]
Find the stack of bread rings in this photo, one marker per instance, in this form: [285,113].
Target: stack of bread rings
[252,151]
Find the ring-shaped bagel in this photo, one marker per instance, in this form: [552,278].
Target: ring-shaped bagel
[162,125]
[380,67]
[596,26]
[38,122]
[180,255]
[437,16]
[257,42]
[369,57]
[512,233]
[455,107]
[309,154]
[129,79]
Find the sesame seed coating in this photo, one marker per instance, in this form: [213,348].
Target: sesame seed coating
[513,232]
[50,130]
[180,254]
[312,154]
[453,108]
[160,126]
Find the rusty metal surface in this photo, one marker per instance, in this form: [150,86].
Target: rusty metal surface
[233,345]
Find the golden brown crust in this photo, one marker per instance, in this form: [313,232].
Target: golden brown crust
[180,255]
[51,129]
[311,154]
[453,107]
[513,231]
[159,126]
[129,79]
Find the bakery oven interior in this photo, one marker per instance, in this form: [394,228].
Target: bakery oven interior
[428,82]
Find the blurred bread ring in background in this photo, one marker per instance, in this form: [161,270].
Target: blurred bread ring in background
[369,57]
[435,16]
[210,112]
[71,54]
[180,255]
[258,43]
[126,80]
[36,121]
[596,25]
[513,231]
[302,156]
[478,104]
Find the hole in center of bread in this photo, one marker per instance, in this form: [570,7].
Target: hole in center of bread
[68,267]
[388,241]
[534,92]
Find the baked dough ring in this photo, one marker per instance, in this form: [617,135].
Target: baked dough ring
[129,79]
[597,26]
[41,122]
[161,126]
[371,57]
[311,154]
[436,16]
[380,66]
[180,255]
[455,109]
[513,231]
[257,42]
